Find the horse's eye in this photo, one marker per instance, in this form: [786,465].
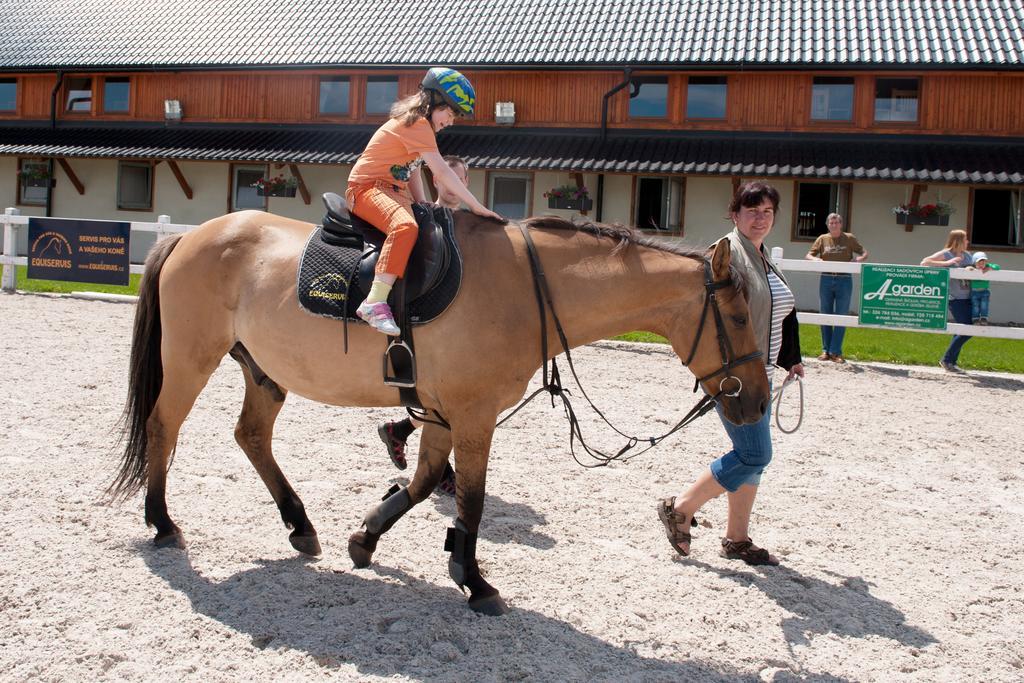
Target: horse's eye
[739,320]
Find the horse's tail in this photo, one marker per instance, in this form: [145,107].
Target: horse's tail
[145,374]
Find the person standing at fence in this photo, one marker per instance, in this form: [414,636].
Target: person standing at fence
[773,318]
[835,289]
[395,434]
[979,289]
[955,255]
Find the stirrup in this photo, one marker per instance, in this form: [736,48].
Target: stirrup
[403,361]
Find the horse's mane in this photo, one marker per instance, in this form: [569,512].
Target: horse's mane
[624,236]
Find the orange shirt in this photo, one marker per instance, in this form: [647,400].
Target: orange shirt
[393,153]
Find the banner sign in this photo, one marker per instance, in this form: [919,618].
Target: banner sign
[78,250]
[903,296]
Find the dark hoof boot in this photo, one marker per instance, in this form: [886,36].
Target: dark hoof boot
[307,544]
[491,605]
[360,548]
[170,539]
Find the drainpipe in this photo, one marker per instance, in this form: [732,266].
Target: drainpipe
[627,78]
[53,126]
[627,74]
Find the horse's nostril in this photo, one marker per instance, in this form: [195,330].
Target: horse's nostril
[764,406]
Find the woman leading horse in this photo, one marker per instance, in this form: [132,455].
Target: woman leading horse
[230,287]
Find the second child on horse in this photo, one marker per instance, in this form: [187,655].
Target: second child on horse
[386,179]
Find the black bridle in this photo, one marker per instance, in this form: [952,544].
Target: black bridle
[724,345]
[553,384]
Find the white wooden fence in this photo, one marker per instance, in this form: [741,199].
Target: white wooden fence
[12,220]
[1015,276]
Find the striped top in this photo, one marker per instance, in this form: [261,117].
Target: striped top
[782,303]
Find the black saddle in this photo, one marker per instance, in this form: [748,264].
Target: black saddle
[428,263]
[337,267]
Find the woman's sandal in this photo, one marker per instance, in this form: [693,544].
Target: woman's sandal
[748,552]
[676,525]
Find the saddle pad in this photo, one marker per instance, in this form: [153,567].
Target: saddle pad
[328,283]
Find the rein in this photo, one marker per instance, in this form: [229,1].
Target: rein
[553,384]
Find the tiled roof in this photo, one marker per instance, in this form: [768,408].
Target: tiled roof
[835,157]
[191,33]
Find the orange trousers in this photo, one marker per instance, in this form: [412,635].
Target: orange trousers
[388,207]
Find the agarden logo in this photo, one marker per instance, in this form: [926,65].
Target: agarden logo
[918,291]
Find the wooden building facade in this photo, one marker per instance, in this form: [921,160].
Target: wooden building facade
[659,140]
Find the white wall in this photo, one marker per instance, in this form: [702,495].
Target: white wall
[618,191]
[707,200]
[210,183]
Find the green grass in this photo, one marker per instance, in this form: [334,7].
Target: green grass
[902,348]
[26,285]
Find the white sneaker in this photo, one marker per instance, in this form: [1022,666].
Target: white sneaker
[949,367]
[379,317]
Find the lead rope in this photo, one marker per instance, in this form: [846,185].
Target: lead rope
[554,386]
[777,399]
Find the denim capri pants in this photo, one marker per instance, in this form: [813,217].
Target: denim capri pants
[751,451]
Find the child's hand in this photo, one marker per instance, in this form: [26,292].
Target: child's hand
[487,213]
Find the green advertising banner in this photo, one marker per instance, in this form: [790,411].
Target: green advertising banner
[903,296]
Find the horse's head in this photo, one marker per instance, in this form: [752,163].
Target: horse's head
[724,355]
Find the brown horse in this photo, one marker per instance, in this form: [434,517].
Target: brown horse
[230,287]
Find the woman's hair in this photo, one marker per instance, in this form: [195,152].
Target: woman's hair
[831,216]
[414,107]
[957,240]
[753,194]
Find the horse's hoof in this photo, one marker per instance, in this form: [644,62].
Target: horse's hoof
[360,549]
[492,605]
[170,539]
[306,544]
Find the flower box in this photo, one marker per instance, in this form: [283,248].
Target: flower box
[934,219]
[570,203]
[278,192]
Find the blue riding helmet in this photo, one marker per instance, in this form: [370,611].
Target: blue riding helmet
[454,88]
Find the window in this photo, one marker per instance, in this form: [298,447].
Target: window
[245,195]
[116,95]
[33,192]
[334,96]
[832,99]
[79,97]
[381,93]
[814,202]
[649,98]
[705,97]
[659,204]
[896,99]
[997,218]
[134,185]
[510,194]
[8,94]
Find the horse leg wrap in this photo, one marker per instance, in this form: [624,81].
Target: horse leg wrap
[462,545]
[395,504]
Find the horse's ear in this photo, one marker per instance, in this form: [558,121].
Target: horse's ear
[720,260]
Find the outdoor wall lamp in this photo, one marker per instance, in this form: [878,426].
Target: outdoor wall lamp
[172,110]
